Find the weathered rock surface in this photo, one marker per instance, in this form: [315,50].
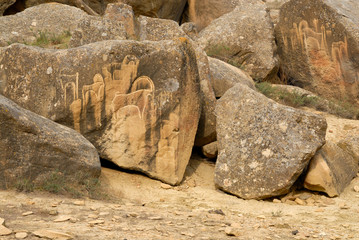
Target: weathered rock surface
[351,145]
[25,26]
[225,76]
[137,102]
[319,46]
[203,12]
[263,146]
[168,9]
[33,146]
[331,170]
[4,4]
[243,38]
[210,150]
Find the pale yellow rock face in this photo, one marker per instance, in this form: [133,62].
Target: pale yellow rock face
[331,170]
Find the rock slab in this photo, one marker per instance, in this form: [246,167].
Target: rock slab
[33,146]
[331,170]
[263,146]
[318,43]
[137,102]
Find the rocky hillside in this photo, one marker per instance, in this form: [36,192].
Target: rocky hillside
[252,84]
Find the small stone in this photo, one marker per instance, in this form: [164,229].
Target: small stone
[53,212]
[74,220]
[79,203]
[2,221]
[43,233]
[94,216]
[104,213]
[231,231]
[95,222]
[62,218]
[295,232]
[261,217]
[21,235]
[27,213]
[356,188]
[305,196]
[155,218]
[319,210]
[165,186]
[300,201]
[49,70]
[93,209]
[343,205]
[4,231]
[275,200]
[133,214]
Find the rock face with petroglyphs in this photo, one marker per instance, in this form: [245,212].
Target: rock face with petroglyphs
[263,146]
[24,26]
[331,170]
[247,42]
[137,102]
[32,147]
[319,46]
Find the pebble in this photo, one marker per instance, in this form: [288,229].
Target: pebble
[165,186]
[343,206]
[300,201]
[43,233]
[4,231]
[319,210]
[356,188]
[53,212]
[305,196]
[79,203]
[94,216]
[2,221]
[27,213]
[63,218]
[231,231]
[276,200]
[21,235]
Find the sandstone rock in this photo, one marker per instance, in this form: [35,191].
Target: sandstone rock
[243,38]
[225,76]
[33,147]
[210,150]
[26,25]
[4,4]
[2,221]
[52,234]
[318,43]
[351,145]
[263,146]
[137,102]
[190,29]
[21,235]
[27,213]
[168,9]
[63,218]
[331,170]
[203,12]
[4,231]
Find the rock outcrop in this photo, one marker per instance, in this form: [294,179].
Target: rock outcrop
[4,4]
[225,76]
[263,146]
[137,102]
[318,43]
[331,170]
[26,26]
[32,147]
[243,38]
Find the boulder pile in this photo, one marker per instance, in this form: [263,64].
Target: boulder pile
[140,83]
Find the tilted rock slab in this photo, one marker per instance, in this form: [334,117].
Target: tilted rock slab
[263,146]
[225,76]
[318,43]
[32,147]
[331,170]
[244,38]
[46,18]
[137,102]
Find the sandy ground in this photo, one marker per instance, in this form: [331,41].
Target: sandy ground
[147,209]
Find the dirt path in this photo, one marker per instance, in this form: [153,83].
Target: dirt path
[147,209]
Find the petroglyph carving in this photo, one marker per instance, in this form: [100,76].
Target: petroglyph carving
[320,47]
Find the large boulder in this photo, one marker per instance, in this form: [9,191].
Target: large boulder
[263,146]
[26,26]
[225,76]
[331,170]
[32,147]
[203,12]
[243,38]
[137,102]
[318,43]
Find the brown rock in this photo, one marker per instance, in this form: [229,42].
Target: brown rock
[27,25]
[34,147]
[21,235]
[139,115]
[331,170]
[203,12]
[225,76]
[263,146]
[4,231]
[318,43]
[210,150]
[244,38]
[4,4]
[351,145]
